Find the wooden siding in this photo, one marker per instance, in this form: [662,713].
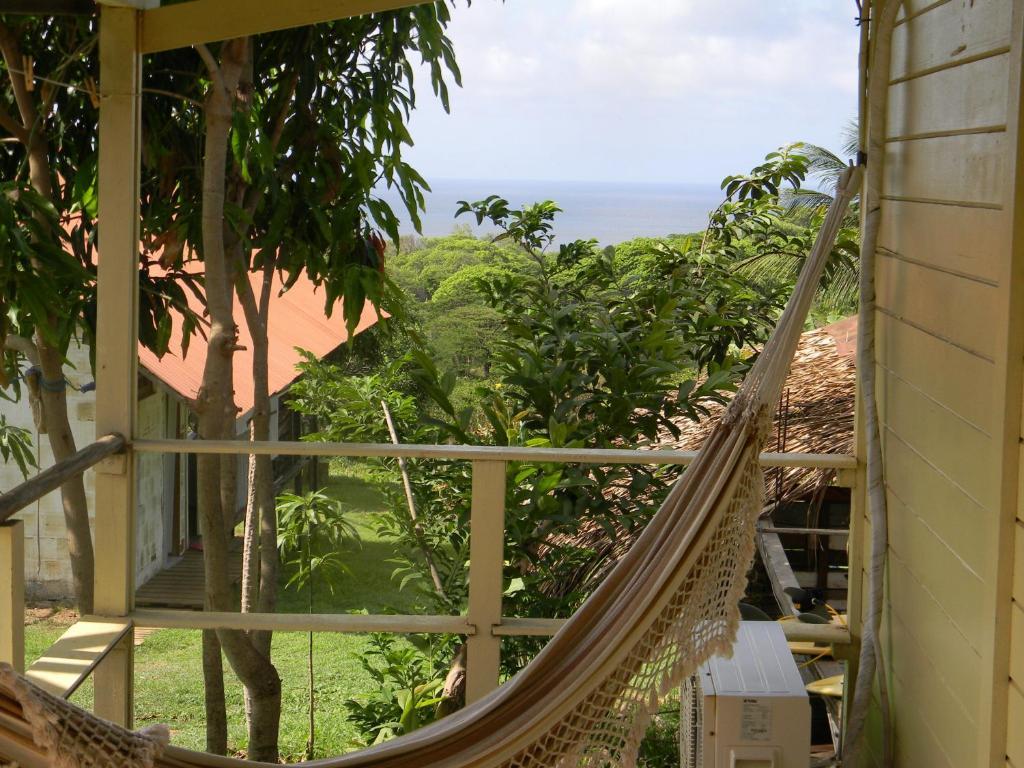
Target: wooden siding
[945,363]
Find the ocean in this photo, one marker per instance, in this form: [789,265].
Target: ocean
[608,212]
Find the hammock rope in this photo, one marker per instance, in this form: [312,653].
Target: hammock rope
[586,699]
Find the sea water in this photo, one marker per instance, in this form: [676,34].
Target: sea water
[607,212]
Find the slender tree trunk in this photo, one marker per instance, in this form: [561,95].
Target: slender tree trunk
[213,689]
[216,408]
[311,738]
[53,392]
[260,593]
[261,495]
[453,695]
[410,499]
[250,542]
[53,396]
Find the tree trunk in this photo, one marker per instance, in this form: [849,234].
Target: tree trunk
[311,738]
[53,396]
[261,494]
[213,689]
[453,695]
[53,391]
[261,514]
[250,542]
[216,408]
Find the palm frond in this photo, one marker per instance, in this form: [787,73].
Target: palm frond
[804,200]
[851,138]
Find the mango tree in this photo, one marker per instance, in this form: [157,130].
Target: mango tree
[300,127]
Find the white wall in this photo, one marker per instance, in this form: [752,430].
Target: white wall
[150,481]
[46,552]
[47,571]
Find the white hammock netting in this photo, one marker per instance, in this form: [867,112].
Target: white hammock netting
[587,698]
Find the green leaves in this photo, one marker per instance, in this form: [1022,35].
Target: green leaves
[409,680]
[43,287]
[529,227]
[766,231]
[784,166]
[319,129]
[16,446]
[585,355]
[312,531]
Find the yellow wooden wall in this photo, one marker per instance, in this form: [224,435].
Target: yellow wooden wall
[949,363]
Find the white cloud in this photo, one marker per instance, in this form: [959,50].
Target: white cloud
[646,73]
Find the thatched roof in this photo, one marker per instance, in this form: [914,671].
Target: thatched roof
[815,413]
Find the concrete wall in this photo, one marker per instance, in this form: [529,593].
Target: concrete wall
[949,359]
[47,571]
[46,554]
[152,482]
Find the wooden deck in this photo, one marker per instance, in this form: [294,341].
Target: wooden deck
[182,585]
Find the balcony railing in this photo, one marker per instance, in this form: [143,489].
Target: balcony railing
[69,661]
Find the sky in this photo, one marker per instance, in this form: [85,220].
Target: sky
[662,91]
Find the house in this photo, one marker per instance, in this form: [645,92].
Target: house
[814,416]
[166,508]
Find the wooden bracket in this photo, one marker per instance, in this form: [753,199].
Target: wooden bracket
[846,478]
[113,465]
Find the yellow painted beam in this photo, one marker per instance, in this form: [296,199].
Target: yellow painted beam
[12,593]
[837,461]
[117,287]
[71,659]
[486,557]
[302,622]
[206,21]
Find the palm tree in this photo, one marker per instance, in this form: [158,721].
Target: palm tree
[804,208]
[825,166]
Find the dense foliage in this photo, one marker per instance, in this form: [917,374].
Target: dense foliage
[409,677]
[576,346]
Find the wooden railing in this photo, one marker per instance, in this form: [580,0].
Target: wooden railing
[12,539]
[483,624]
[52,478]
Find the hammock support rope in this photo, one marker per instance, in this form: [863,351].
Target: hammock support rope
[587,698]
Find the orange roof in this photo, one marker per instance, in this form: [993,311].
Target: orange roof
[297,320]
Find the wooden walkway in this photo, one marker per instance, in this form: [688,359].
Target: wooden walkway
[184,583]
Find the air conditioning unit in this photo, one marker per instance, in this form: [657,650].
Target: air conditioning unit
[750,711]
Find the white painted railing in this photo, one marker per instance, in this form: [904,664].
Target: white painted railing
[483,625]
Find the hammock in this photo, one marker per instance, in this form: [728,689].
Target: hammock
[588,696]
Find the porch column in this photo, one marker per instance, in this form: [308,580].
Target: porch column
[12,593]
[486,560]
[116,339]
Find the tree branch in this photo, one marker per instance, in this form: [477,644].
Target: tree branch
[22,346]
[12,58]
[12,126]
[268,279]
[211,66]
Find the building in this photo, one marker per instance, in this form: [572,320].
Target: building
[166,521]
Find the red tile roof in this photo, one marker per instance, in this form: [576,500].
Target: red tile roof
[297,320]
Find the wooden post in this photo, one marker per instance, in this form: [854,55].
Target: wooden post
[12,594]
[486,558]
[116,340]
[855,570]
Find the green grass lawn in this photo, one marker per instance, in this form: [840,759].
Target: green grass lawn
[168,666]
